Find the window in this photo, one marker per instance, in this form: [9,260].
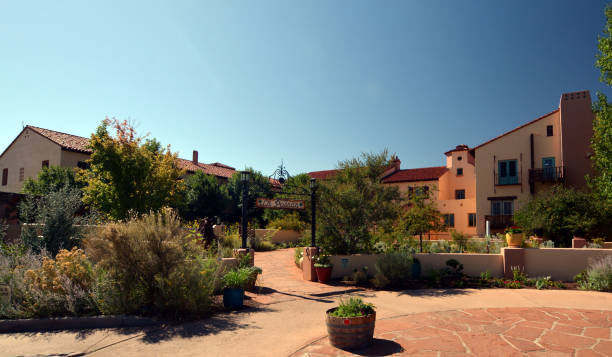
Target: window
[549,130]
[21,174]
[45,164]
[458,158]
[471,219]
[449,219]
[459,194]
[508,173]
[460,172]
[4,177]
[502,208]
[419,190]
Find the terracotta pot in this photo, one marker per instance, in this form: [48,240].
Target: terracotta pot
[350,332]
[515,240]
[323,274]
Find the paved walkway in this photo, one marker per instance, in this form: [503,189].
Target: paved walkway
[286,317]
[486,332]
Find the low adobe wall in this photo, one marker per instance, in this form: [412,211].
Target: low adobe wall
[560,263]
[474,264]
[278,235]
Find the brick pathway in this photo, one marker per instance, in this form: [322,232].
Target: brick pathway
[486,332]
[282,281]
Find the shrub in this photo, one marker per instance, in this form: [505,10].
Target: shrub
[360,277]
[297,256]
[352,307]
[393,269]
[289,221]
[237,278]
[460,239]
[153,261]
[598,276]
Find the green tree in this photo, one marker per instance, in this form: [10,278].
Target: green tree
[259,186]
[299,183]
[604,45]
[204,197]
[354,203]
[51,179]
[128,173]
[561,211]
[601,144]
[422,216]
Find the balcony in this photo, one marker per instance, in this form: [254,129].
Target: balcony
[507,180]
[547,175]
[500,222]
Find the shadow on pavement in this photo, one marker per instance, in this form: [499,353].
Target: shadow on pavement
[435,292]
[313,297]
[379,347]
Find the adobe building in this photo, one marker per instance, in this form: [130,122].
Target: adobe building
[514,166]
[35,148]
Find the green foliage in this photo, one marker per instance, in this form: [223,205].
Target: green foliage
[236,279]
[204,197]
[129,174]
[393,269]
[3,230]
[288,221]
[601,143]
[259,186]
[51,179]
[604,45]
[598,276]
[460,239]
[54,214]
[298,254]
[360,276]
[422,216]
[322,261]
[352,307]
[560,211]
[485,275]
[152,261]
[353,202]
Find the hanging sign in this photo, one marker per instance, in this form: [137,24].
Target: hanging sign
[279,203]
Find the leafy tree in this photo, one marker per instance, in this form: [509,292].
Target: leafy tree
[561,211]
[128,173]
[204,197]
[354,203]
[299,183]
[259,186]
[422,216]
[51,179]
[602,149]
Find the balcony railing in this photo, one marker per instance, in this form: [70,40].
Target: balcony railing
[500,222]
[507,180]
[547,174]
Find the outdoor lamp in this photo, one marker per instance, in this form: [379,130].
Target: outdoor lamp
[313,183]
[244,176]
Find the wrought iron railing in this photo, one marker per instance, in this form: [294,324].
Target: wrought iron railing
[501,221]
[507,180]
[547,174]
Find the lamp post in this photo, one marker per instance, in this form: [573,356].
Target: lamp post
[313,207]
[244,178]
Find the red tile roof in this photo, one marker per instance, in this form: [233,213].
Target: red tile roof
[79,144]
[422,174]
[322,175]
[66,141]
[515,129]
[216,169]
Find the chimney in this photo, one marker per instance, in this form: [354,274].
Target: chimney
[396,163]
[195,157]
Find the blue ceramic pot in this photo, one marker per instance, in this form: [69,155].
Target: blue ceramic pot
[233,298]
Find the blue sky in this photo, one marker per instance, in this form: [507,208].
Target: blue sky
[248,83]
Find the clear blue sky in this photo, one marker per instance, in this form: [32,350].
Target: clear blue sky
[311,82]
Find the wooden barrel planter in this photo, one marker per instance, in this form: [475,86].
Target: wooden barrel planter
[350,332]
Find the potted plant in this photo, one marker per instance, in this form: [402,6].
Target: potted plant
[234,283]
[253,273]
[351,324]
[514,237]
[323,267]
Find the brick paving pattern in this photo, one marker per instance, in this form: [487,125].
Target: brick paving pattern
[486,332]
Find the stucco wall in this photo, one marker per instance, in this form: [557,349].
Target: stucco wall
[560,263]
[278,235]
[29,150]
[461,209]
[71,158]
[450,181]
[474,264]
[515,145]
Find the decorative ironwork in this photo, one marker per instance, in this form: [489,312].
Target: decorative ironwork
[500,221]
[280,175]
[547,174]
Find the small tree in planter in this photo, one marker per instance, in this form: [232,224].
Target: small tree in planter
[514,237]
[234,283]
[351,324]
[323,267]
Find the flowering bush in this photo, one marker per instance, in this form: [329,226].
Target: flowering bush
[513,229]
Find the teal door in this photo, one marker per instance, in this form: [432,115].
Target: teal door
[548,167]
[508,173]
